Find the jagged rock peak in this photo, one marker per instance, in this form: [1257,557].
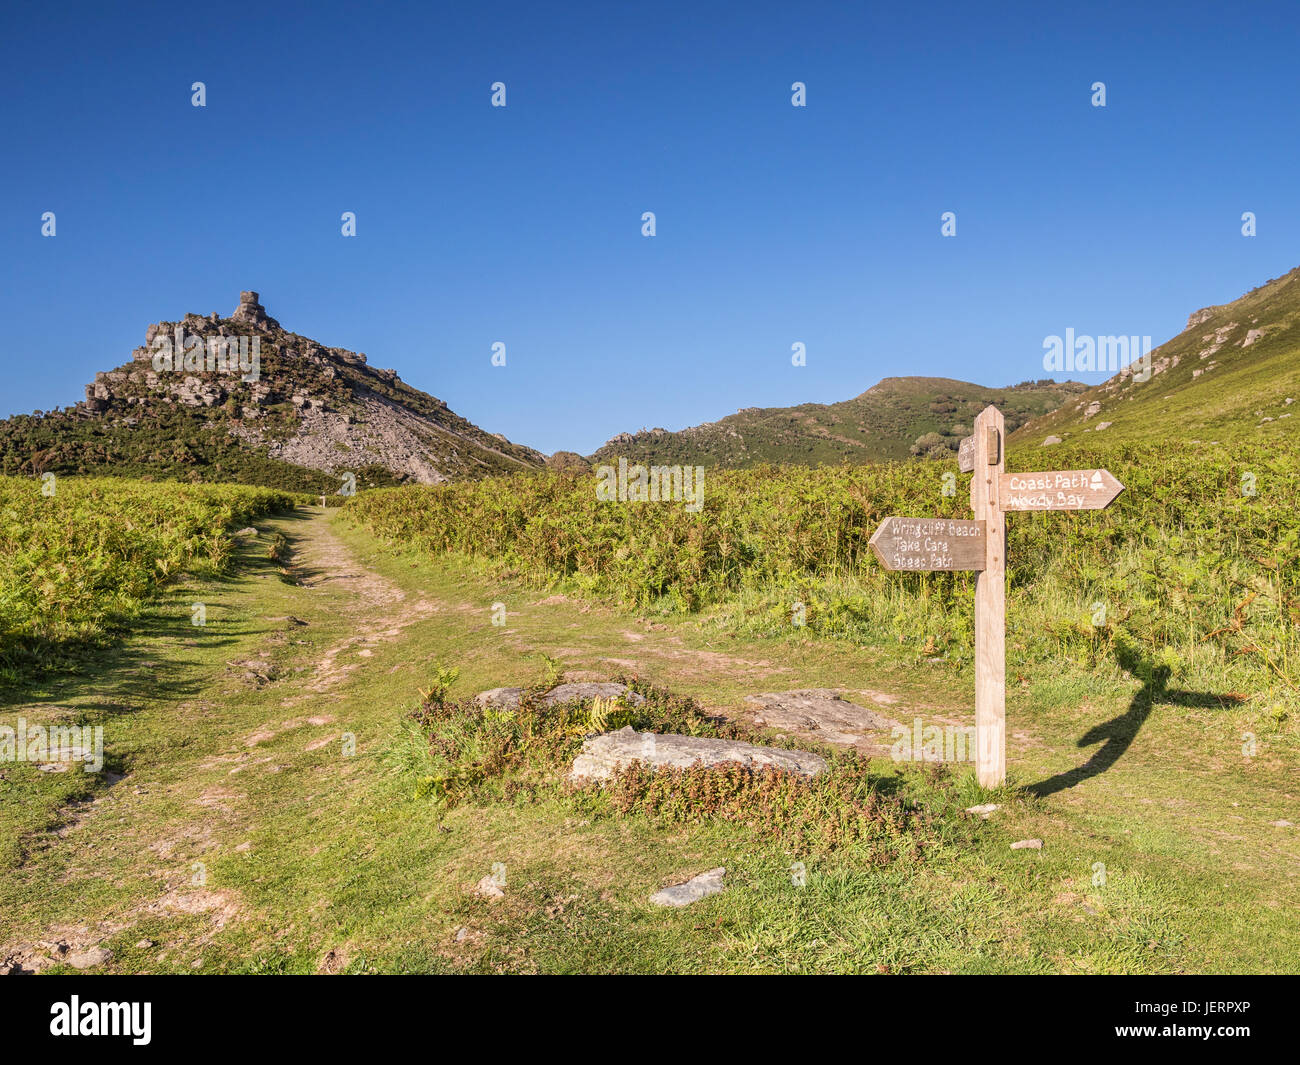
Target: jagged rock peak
[251,310]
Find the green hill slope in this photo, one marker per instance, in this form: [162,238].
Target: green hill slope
[1233,375]
[900,416]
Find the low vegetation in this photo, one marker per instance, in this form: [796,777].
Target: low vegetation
[1197,564]
[461,751]
[78,564]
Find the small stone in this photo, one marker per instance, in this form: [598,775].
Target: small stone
[1027,845]
[489,889]
[247,531]
[461,933]
[144,944]
[88,959]
[984,809]
[1281,824]
[501,698]
[1049,441]
[698,887]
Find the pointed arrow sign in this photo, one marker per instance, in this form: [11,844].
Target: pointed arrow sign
[1059,490]
[928,544]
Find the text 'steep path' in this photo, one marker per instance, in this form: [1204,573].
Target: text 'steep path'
[928,544]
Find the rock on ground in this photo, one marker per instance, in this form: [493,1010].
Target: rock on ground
[489,889]
[1027,845]
[508,698]
[696,888]
[820,710]
[600,755]
[503,698]
[88,959]
[568,693]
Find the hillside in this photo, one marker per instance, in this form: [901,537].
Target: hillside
[900,416]
[303,416]
[1231,376]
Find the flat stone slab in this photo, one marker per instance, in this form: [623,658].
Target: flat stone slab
[503,698]
[820,710]
[508,698]
[696,888]
[568,693]
[601,755]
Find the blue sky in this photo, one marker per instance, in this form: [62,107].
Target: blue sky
[522,224]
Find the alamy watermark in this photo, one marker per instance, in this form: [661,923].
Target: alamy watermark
[58,743]
[215,354]
[1088,354]
[931,743]
[78,1018]
[651,484]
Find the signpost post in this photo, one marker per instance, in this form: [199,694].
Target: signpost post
[990,603]
[928,544]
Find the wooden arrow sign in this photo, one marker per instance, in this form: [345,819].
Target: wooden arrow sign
[926,544]
[1059,490]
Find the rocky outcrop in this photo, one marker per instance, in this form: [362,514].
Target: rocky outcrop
[251,312]
[306,404]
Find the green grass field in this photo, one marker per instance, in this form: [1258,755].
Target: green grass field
[264,812]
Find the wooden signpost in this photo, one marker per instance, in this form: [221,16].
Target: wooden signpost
[927,544]
[1059,490]
[924,544]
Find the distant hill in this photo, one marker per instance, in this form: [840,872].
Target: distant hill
[1232,375]
[312,414]
[900,416]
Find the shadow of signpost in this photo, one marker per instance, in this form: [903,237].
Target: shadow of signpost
[1119,732]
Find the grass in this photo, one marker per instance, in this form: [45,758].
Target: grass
[1210,386]
[1183,569]
[320,860]
[80,557]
